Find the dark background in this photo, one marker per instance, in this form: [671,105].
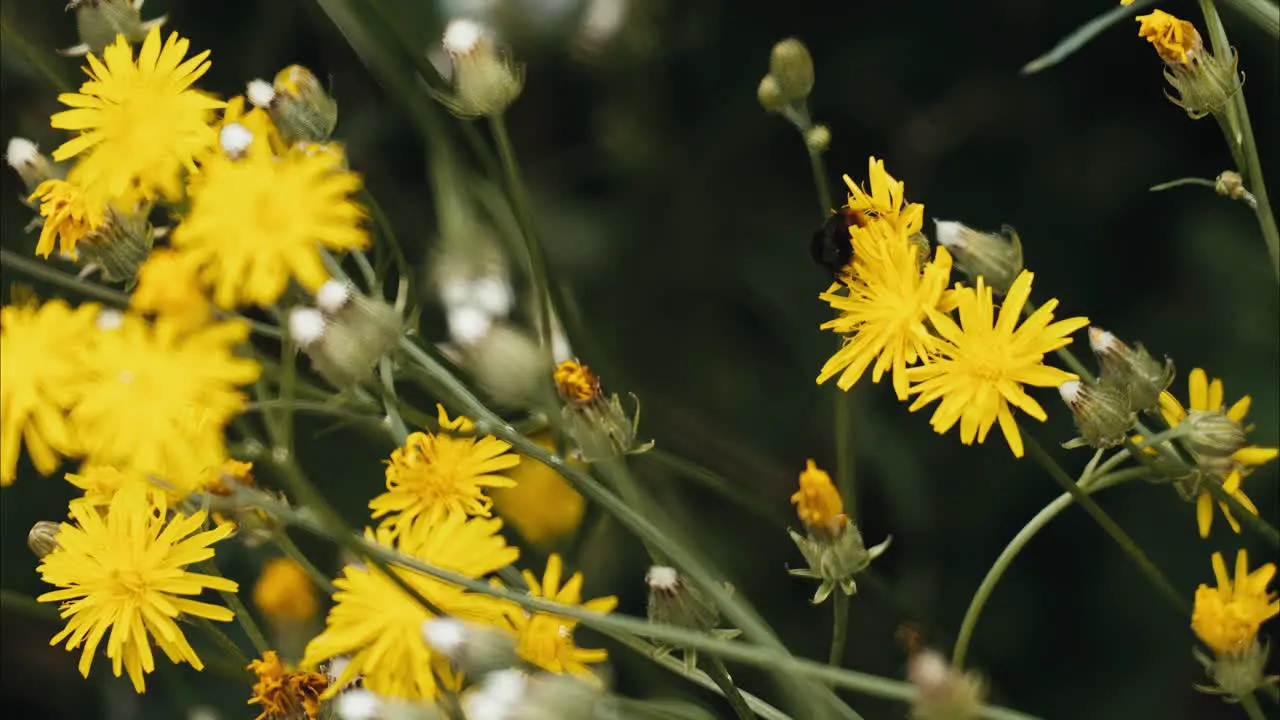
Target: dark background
[678,213]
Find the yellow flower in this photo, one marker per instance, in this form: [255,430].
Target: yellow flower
[542,506]
[1227,618]
[140,124]
[576,383]
[42,349]
[983,362]
[1209,396]
[167,285]
[437,473]
[380,625]
[68,216]
[284,592]
[259,220]
[885,200]
[155,397]
[125,571]
[818,503]
[883,307]
[101,483]
[1175,40]
[266,139]
[546,640]
[284,694]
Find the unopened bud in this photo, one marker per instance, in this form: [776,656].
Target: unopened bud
[1212,435]
[1102,413]
[301,108]
[1229,184]
[475,649]
[120,246]
[234,139]
[995,257]
[576,383]
[817,139]
[1130,369]
[769,93]
[260,93]
[98,22]
[358,331]
[508,363]
[835,558]
[672,601]
[306,326]
[942,692]
[43,538]
[31,165]
[485,80]
[599,424]
[792,66]
[1237,674]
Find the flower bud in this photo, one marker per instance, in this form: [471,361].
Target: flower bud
[769,93]
[98,22]
[817,139]
[792,66]
[358,332]
[43,537]
[300,108]
[1102,413]
[120,246]
[508,363]
[485,81]
[672,601]
[942,692]
[1237,674]
[995,257]
[1229,184]
[475,649]
[1213,435]
[31,165]
[601,427]
[575,382]
[835,559]
[1204,82]
[1132,370]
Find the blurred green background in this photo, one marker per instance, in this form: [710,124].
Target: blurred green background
[678,214]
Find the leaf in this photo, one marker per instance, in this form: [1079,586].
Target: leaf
[1082,36]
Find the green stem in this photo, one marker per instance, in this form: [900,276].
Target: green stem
[36,58]
[1015,546]
[1240,139]
[1109,525]
[1241,513]
[13,600]
[1263,13]
[839,629]
[719,674]
[236,605]
[716,483]
[221,640]
[288,381]
[291,551]
[1184,181]
[371,283]
[1250,705]
[820,182]
[383,223]
[399,431]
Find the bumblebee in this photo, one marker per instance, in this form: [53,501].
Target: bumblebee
[831,246]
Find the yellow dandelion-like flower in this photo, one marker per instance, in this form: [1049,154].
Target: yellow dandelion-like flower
[982,363]
[1204,395]
[140,123]
[1175,40]
[266,139]
[259,220]
[101,483]
[68,216]
[285,694]
[125,571]
[882,307]
[1227,618]
[576,383]
[437,473]
[167,285]
[157,396]
[818,503]
[546,640]
[886,200]
[42,348]
[380,625]
[284,592]
[542,506]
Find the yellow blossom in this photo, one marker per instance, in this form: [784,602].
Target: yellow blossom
[167,285]
[1175,40]
[125,571]
[266,139]
[285,694]
[983,362]
[140,123]
[438,473]
[882,306]
[284,592]
[886,200]
[546,640]
[576,383]
[68,216]
[1204,395]
[542,506]
[1227,618]
[259,220]
[42,348]
[818,503]
[380,625]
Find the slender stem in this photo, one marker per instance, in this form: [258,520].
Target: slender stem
[288,382]
[371,283]
[839,629]
[1241,513]
[1250,705]
[236,605]
[1015,546]
[291,550]
[1263,13]
[719,674]
[820,182]
[13,600]
[35,57]
[746,499]
[221,640]
[524,216]
[388,233]
[1203,182]
[1109,525]
[399,431]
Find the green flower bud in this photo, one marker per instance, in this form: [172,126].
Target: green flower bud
[942,691]
[817,139]
[1212,435]
[120,246]
[98,22]
[475,649]
[43,537]
[836,559]
[1141,377]
[33,166]
[300,108]
[1239,674]
[792,66]
[1229,184]
[1205,83]
[1102,413]
[997,258]
[672,601]
[514,695]
[769,93]
[347,335]
[485,81]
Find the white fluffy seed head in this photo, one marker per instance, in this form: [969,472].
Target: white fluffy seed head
[1101,340]
[662,577]
[949,233]
[358,705]
[21,152]
[235,138]
[333,296]
[306,325]
[929,671]
[109,319]
[468,325]
[444,635]
[1070,391]
[260,93]
[461,36]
